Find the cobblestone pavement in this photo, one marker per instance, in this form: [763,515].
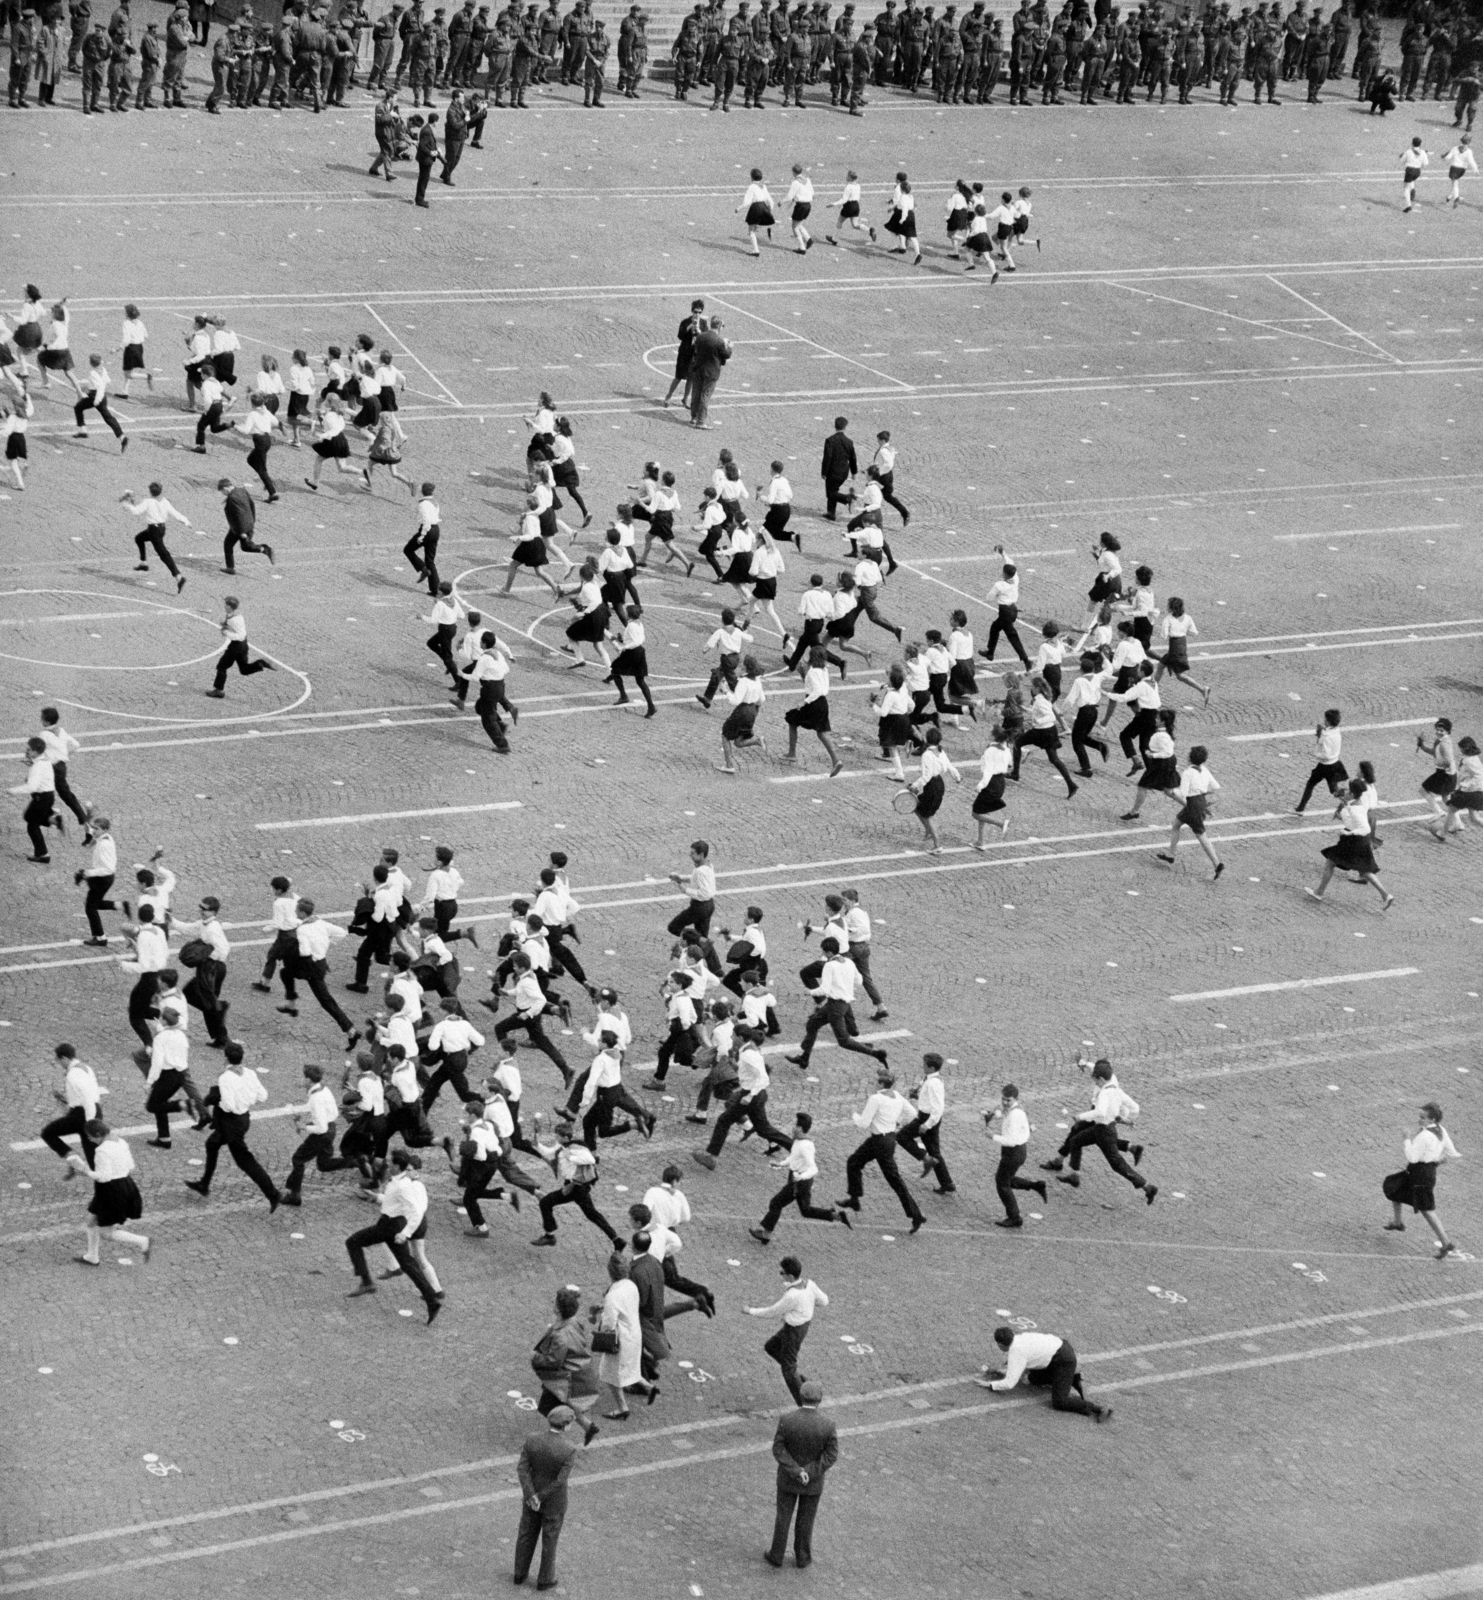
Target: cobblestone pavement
[1231,349]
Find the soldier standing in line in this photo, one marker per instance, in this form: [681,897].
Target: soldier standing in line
[861,60]
[595,64]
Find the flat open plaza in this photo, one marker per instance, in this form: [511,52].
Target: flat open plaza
[1232,350]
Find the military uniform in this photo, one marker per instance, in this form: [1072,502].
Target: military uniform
[595,65]
[633,52]
[862,60]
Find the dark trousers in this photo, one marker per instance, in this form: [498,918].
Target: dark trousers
[1063,1381]
[210,419]
[544,1525]
[1104,1136]
[235,655]
[799,1192]
[860,955]
[832,496]
[833,1014]
[1007,1179]
[311,974]
[156,537]
[697,914]
[881,1149]
[249,547]
[384,1231]
[536,1035]
[424,176]
[74,1120]
[812,634]
[376,946]
[753,1111]
[63,792]
[1330,772]
[580,1196]
[1137,731]
[230,1131]
[97,900]
[283,951]
[1082,737]
[806,1507]
[490,696]
[924,1144]
[452,1069]
[100,405]
[598,1123]
[318,1148]
[141,1003]
[38,815]
[203,991]
[441,645]
[1004,624]
[783,1347]
[257,459]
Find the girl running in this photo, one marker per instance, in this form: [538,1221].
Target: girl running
[762,578]
[980,242]
[758,206]
[28,329]
[840,629]
[387,381]
[1468,794]
[849,209]
[930,789]
[990,796]
[57,354]
[300,390]
[542,429]
[962,683]
[919,688]
[1001,223]
[384,453]
[1043,732]
[564,466]
[939,674]
[632,660]
[661,505]
[1143,697]
[959,216]
[893,722]
[800,202]
[544,490]
[1442,780]
[1160,773]
[530,549]
[1352,851]
[1176,629]
[1460,161]
[902,220]
[330,443]
[13,431]
[1142,608]
[1108,584]
[1050,656]
[1022,209]
[131,344]
[1192,796]
[1414,160]
[739,731]
[1128,657]
[269,385]
[814,712]
[1416,1187]
[591,622]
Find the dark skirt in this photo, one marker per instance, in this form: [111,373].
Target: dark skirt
[739,569]
[1105,588]
[979,243]
[957,221]
[843,627]
[740,722]
[990,798]
[904,227]
[15,447]
[764,588]
[1459,799]
[115,1203]
[28,336]
[590,628]
[961,681]
[271,401]
[1041,738]
[1193,812]
[758,216]
[1416,1186]
[548,520]
[1176,657]
[929,801]
[894,730]
[1161,773]
[133,358]
[387,397]
[1440,783]
[56,360]
[811,714]
[801,211]
[851,208]
[682,363]
[530,553]
[298,405]
[1352,852]
[333,449]
[633,663]
[662,525]
[565,474]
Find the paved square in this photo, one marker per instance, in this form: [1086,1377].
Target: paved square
[1233,351]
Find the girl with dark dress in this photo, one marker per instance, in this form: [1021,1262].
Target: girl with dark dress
[1416,1187]
[1353,851]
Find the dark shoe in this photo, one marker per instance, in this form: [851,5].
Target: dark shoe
[1053,1165]
[771,1559]
[760,1236]
[796,1061]
[291,1200]
[1009,1222]
[1137,1154]
[545,1239]
[849,1203]
[289,1011]
[263,988]
[705,1158]
[160,1144]
[1040,1189]
[844,1217]
[1151,1193]
[200,1188]
[1072,1180]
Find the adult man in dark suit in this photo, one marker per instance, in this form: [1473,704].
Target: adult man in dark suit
[544,1466]
[805,1447]
[690,329]
[839,466]
[711,352]
[241,515]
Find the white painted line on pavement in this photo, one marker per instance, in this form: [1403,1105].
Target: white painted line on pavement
[1349,644]
[1360,533]
[1349,727]
[388,816]
[1343,633]
[1424,1586]
[1295,983]
[916,1421]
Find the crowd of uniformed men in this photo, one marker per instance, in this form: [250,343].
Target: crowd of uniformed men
[1091,50]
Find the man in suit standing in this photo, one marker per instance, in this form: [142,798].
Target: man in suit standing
[839,466]
[544,1466]
[710,353]
[805,1447]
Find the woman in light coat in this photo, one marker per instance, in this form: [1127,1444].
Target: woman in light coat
[618,1370]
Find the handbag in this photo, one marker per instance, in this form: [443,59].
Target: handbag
[194,952]
[605,1342]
